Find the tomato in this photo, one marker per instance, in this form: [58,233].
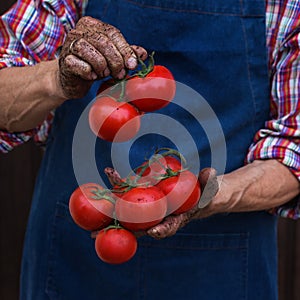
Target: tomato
[141,208]
[112,120]
[157,166]
[183,191]
[107,86]
[153,91]
[91,206]
[115,245]
[112,88]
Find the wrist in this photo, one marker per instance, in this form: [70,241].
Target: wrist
[52,83]
[242,184]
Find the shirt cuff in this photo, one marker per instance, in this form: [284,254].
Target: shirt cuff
[290,210]
[10,61]
[8,140]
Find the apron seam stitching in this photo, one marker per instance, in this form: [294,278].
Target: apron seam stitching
[186,10]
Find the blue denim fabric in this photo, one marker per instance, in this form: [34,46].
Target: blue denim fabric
[217,48]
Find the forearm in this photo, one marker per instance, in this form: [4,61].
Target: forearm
[91,51]
[261,185]
[28,94]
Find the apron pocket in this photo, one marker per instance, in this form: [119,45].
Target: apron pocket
[210,262]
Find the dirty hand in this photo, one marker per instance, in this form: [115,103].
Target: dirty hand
[172,223]
[259,186]
[94,50]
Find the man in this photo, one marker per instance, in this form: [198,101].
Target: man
[218,49]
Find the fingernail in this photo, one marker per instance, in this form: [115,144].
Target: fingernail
[122,74]
[94,76]
[106,72]
[131,63]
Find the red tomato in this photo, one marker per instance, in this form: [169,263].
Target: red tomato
[89,208]
[158,166]
[115,245]
[112,87]
[113,121]
[183,191]
[141,208]
[152,92]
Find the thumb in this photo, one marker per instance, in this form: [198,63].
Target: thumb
[209,186]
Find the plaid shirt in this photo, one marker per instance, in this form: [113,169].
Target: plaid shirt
[32,31]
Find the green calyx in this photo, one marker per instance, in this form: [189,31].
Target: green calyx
[129,183]
[170,151]
[100,194]
[145,69]
[115,225]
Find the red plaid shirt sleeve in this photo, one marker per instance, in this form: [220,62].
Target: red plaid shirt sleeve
[279,139]
[31,32]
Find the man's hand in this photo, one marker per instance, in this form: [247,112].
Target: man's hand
[94,50]
[261,185]
[171,224]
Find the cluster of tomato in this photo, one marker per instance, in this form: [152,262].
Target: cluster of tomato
[159,187]
[115,114]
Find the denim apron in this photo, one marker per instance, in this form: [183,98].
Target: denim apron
[218,49]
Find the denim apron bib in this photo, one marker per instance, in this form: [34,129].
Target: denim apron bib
[218,49]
